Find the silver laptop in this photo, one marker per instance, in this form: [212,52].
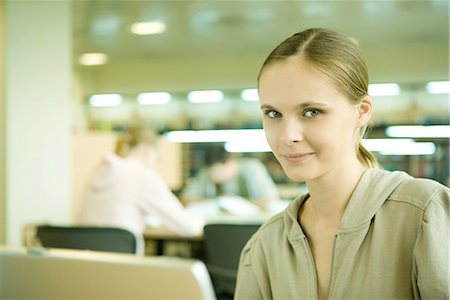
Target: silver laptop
[79,274]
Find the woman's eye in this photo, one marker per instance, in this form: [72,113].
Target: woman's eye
[272,114]
[311,113]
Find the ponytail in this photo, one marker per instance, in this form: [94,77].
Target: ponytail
[366,157]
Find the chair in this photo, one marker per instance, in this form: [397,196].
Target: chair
[109,239]
[223,244]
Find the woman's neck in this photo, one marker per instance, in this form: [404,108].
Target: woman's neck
[144,154]
[330,194]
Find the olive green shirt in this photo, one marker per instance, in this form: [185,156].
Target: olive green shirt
[393,243]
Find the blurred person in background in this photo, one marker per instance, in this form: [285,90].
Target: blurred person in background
[125,189]
[225,174]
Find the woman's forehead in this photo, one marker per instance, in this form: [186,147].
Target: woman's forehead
[293,70]
[295,80]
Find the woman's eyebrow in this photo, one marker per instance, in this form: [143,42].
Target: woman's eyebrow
[301,106]
[266,107]
[312,103]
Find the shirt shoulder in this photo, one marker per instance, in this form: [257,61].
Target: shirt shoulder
[269,233]
[419,192]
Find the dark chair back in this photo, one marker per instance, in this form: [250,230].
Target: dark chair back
[223,245]
[109,239]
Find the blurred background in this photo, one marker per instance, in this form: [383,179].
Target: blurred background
[74,73]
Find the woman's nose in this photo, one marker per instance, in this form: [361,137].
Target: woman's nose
[292,132]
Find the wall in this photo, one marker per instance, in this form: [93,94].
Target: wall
[2,125]
[38,88]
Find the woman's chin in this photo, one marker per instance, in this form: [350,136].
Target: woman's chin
[296,177]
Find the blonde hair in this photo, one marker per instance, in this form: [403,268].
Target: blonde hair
[339,58]
[134,137]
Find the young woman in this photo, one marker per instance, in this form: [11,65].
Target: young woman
[361,232]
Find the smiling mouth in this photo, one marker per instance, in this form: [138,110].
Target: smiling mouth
[297,157]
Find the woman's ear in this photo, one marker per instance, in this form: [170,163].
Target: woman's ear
[364,111]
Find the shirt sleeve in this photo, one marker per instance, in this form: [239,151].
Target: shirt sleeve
[432,253]
[157,198]
[247,284]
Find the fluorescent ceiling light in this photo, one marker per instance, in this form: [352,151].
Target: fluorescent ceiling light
[384,89]
[154,98]
[399,146]
[417,148]
[244,146]
[146,28]
[378,145]
[421,148]
[250,95]
[105,100]
[254,140]
[438,87]
[215,136]
[93,59]
[431,131]
[205,96]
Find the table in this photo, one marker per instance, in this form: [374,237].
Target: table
[161,235]
[213,213]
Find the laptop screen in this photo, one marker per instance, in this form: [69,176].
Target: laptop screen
[79,274]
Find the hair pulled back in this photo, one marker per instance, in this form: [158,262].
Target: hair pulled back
[134,137]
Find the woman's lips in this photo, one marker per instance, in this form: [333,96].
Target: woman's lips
[297,157]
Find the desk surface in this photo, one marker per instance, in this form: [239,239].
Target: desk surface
[163,233]
[214,213]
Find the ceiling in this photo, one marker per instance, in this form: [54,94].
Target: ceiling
[222,43]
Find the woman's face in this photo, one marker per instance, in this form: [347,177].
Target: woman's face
[310,126]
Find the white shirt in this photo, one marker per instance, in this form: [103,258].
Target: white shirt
[123,192]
